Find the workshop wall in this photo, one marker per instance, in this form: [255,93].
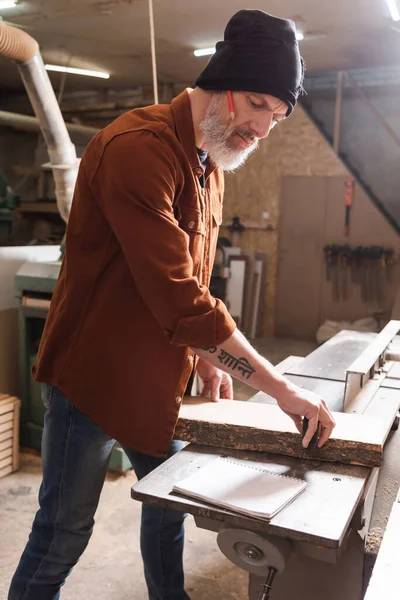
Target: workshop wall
[17,157]
[295,147]
[352,288]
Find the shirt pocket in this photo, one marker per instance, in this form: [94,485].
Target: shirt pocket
[192,221]
[217,215]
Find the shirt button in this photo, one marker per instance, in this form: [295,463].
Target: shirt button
[191,224]
[178,399]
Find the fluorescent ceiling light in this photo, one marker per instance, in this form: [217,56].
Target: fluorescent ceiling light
[74,71]
[7,4]
[394,10]
[205,51]
[209,51]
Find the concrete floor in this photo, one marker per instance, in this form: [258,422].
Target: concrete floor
[111,566]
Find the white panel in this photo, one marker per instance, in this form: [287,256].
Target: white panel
[11,259]
[235,289]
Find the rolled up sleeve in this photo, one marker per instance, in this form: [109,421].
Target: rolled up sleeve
[135,186]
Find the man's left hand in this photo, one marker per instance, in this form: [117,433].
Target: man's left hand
[215,382]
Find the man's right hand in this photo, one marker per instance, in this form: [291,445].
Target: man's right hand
[297,403]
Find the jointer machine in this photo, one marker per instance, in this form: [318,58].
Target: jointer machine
[321,545]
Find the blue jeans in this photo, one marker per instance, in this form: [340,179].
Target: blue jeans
[75,455]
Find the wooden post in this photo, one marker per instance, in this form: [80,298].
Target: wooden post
[338,112]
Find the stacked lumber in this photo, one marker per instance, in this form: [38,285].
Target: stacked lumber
[9,434]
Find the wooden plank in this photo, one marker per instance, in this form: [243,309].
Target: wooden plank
[38,207]
[6,471]
[16,436]
[7,417]
[321,515]
[5,436]
[6,453]
[384,583]
[4,427]
[7,405]
[6,444]
[4,398]
[4,462]
[265,428]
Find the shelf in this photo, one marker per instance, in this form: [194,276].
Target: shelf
[38,207]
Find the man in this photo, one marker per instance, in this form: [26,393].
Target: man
[132,316]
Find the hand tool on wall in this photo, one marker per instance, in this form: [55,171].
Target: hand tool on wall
[336,278]
[390,261]
[346,264]
[348,201]
[328,261]
[368,266]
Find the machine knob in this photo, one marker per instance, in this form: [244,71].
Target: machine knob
[254,553]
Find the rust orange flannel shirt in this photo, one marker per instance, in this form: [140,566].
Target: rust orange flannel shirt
[132,296]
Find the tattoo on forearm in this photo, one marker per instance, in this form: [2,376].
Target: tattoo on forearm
[226,359]
[211,349]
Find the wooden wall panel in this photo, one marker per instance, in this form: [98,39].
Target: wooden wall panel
[295,147]
[300,269]
[312,215]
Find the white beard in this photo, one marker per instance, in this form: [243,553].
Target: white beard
[216,137]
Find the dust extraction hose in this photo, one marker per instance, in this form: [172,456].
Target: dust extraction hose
[24,50]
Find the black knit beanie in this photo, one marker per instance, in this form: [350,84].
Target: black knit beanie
[259,54]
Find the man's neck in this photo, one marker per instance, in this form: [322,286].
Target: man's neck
[199,101]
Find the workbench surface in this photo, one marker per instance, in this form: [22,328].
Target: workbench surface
[321,515]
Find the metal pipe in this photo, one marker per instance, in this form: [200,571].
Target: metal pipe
[32,125]
[19,46]
[153,51]
[60,148]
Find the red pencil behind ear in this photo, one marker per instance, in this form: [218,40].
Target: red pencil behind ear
[231,105]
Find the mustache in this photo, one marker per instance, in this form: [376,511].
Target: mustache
[247,134]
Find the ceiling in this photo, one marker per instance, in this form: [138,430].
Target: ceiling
[113,36]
